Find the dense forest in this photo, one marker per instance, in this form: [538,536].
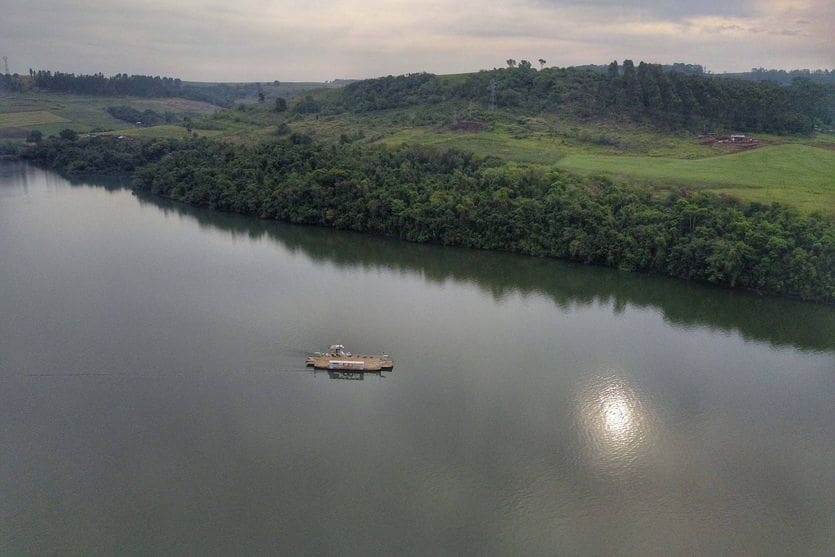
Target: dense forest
[220,94]
[648,93]
[450,197]
[117,85]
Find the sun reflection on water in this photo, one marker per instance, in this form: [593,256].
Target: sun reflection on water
[614,421]
[617,414]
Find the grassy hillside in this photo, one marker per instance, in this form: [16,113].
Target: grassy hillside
[49,112]
[52,112]
[796,170]
[646,93]
[29,119]
[798,175]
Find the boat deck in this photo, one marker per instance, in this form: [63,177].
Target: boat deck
[354,362]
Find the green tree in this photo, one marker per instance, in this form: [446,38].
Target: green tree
[68,134]
[650,91]
[308,105]
[280,104]
[631,88]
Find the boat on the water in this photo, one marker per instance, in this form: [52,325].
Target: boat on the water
[337,358]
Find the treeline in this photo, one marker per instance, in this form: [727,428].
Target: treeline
[97,155]
[392,92]
[11,83]
[450,197]
[678,100]
[783,76]
[116,85]
[644,93]
[220,94]
[693,69]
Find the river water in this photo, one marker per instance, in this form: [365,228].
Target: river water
[153,397]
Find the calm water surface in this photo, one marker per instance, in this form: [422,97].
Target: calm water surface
[153,397]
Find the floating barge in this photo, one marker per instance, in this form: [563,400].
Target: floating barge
[336,358]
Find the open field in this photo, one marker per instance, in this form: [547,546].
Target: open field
[793,174]
[29,118]
[539,150]
[515,137]
[52,112]
[798,171]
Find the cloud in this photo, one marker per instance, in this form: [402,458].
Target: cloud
[326,39]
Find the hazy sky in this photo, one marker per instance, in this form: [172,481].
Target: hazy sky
[294,40]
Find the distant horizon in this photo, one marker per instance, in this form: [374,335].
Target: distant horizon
[253,40]
[335,79]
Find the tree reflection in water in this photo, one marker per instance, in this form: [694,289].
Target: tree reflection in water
[778,321]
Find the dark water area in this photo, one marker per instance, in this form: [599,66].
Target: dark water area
[153,397]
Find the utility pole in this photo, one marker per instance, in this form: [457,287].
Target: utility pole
[492,96]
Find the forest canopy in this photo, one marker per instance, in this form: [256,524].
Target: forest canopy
[122,84]
[646,93]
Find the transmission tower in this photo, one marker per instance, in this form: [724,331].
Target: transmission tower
[492,96]
[6,64]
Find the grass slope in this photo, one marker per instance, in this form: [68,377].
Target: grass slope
[799,175]
[81,113]
[29,118]
[790,170]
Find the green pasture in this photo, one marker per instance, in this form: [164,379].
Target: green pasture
[794,174]
[52,112]
[29,118]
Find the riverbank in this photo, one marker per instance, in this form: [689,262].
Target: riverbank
[454,198]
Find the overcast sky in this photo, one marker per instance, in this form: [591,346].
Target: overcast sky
[316,40]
